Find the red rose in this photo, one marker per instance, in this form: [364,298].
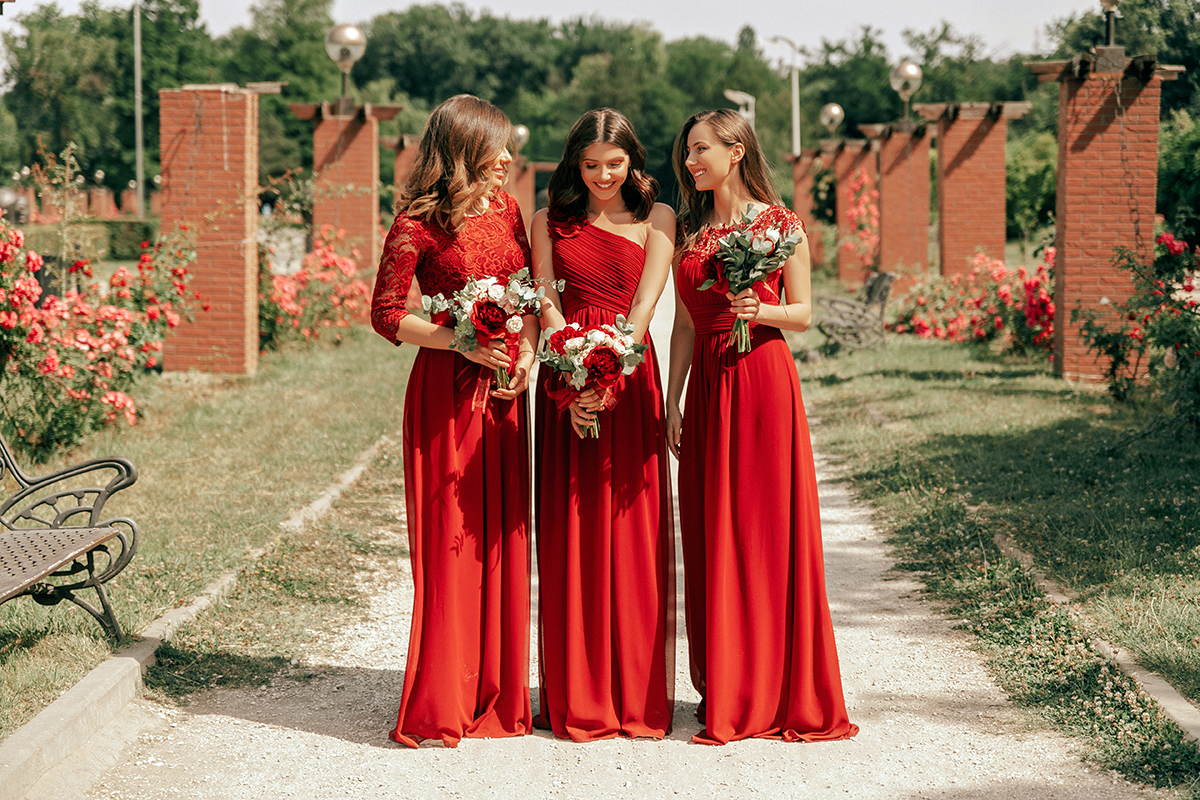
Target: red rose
[489,319]
[604,367]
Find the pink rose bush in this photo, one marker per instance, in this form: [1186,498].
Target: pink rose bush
[69,364]
[991,301]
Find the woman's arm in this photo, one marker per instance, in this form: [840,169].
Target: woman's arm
[543,268]
[683,342]
[660,246]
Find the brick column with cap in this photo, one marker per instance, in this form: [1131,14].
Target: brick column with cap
[802,200]
[847,157]
[903,200]
[1108,112]
[971,176]
[346,192]
[209,146]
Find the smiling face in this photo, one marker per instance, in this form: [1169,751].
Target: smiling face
[603,169]
[499,169]
[709,160]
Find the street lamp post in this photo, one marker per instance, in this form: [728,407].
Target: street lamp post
[138,135]
[906,79]
[745,104]
[831,117]
[795,91]
[1110,19]
[345,44]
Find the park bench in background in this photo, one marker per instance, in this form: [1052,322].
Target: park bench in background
[857,324]
[53,541]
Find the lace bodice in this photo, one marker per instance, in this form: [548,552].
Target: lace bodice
[493,244]
[709,308]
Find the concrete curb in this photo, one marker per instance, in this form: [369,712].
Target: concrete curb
[65,725]
[1173,704]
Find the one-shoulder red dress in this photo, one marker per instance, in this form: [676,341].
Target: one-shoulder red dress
[759,632]
[466,489]
[605,547]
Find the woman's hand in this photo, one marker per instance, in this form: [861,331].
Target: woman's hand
[581,418]
[594,399]
[518,380]
[745,304]
[492,354]
[674,429]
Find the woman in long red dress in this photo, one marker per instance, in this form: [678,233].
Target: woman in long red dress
[466,474]
[759,632]
[605,528]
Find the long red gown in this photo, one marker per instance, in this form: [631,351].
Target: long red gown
[466,489]
[760,637]
[606,561]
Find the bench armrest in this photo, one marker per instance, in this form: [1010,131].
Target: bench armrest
[34,504]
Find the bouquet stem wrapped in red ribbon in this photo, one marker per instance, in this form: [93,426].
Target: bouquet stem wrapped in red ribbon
[746,258]
[590,357]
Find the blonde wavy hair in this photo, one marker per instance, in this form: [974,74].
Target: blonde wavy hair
[452,171]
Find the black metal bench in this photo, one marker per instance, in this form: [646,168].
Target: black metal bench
[54,543]
[857,324]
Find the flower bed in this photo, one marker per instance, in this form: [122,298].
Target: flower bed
[991,301]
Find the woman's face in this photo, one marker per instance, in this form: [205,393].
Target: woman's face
[499,170]
[709,160]
[604,168]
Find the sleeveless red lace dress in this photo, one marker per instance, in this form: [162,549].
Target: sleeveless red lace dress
[466,488]
[760,638]
[606,562]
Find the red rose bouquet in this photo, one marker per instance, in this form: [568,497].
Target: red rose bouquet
[491,308]
[746,258]
[590,357]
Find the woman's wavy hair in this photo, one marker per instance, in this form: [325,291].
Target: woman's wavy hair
[569,194]
[452,171]
[730,128]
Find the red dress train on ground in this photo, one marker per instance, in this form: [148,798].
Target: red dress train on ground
[606,560]
[466,487]
[760,637]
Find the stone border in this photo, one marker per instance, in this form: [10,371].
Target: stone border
[65,726]
[1173,704]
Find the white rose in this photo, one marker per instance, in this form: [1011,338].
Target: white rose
[495,292]
[514,324]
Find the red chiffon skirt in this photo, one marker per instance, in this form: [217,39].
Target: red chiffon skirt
[606,563]
[760,637]
[466,486]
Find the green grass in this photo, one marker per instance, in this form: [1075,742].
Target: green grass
[954,444]
[221,463]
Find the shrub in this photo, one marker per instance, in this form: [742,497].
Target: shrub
[1155,334]
[324,296]
[862,211]
[989,302]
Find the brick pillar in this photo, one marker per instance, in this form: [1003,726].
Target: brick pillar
[31,197]
[209,145]
[522,184]
[903,200]
[971,176]
[802,201]
[101,203]
[346,196]
[1108,111]
[129,202]
[848,157]
[406,153]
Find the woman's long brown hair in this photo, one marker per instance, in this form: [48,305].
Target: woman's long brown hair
[567,191]
[452,171]
[730,128]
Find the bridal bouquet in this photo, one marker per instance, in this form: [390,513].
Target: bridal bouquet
[491,308]
[591,357]
[747,257]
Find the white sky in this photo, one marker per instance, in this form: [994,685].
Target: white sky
[1006,26]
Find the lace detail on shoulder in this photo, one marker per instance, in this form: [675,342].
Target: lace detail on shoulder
[563,225]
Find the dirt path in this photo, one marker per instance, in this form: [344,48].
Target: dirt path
[933,723]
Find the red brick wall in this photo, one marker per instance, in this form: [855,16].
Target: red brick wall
[853,155]
[904,205]
[101,203]
[209,140]
[1107,179]
[346,160]
[971,175]
[802,203]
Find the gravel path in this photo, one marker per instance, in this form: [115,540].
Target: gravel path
[933,722]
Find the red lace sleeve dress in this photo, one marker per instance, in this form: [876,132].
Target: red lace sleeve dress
[606,547]
[759,632]
[466,490]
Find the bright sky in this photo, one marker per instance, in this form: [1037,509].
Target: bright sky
[1006,27]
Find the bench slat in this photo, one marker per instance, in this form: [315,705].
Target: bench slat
[27,555]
